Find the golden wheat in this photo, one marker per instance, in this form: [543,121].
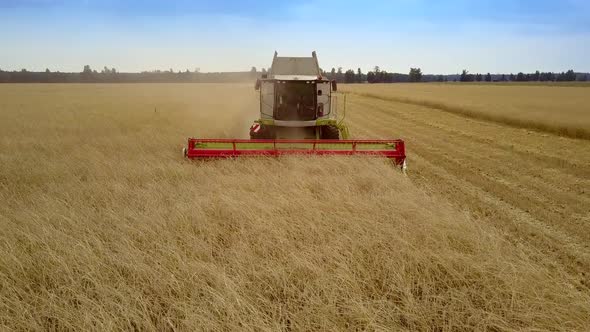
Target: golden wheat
[103,226]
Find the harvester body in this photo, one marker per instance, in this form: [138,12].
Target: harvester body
[298,116]
[296,101]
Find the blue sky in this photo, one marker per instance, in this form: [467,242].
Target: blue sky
[438,36]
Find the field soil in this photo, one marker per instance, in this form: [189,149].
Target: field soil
[104,226]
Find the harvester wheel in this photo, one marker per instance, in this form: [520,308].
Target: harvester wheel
[264,132]
[330,132]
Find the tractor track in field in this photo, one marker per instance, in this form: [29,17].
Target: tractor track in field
[530,185]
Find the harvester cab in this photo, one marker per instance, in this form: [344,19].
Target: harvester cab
[298,115]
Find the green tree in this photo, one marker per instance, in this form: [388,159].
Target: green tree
[349,76]
[488,77]
[570,76]
[415,75]
[359,75]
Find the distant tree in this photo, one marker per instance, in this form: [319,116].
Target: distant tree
[551,76]
[332,75]
[349,76]
[466,77]
[359,75]
[536,76]
[339,75]
[464,74]
[520,77]
[264,70]
[415,75]
[559,77]
[377,69]
[488,77]
[440,78]
[385,77]
[565,76]
[570,76]
[47,70]
[253,70]
[371,77]
[511,77]
[478,77]
[503,79]
[87,70]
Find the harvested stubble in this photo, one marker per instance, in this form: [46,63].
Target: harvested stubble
[559,109]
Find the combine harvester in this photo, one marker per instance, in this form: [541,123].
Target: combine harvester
[298,115]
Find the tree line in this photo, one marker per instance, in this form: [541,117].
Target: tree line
[111,75]
[568,76]
[415,75]
[377,75]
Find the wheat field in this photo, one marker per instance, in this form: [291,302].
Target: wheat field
[104,226]
[559,108]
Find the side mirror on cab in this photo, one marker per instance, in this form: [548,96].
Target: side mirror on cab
[334,86]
